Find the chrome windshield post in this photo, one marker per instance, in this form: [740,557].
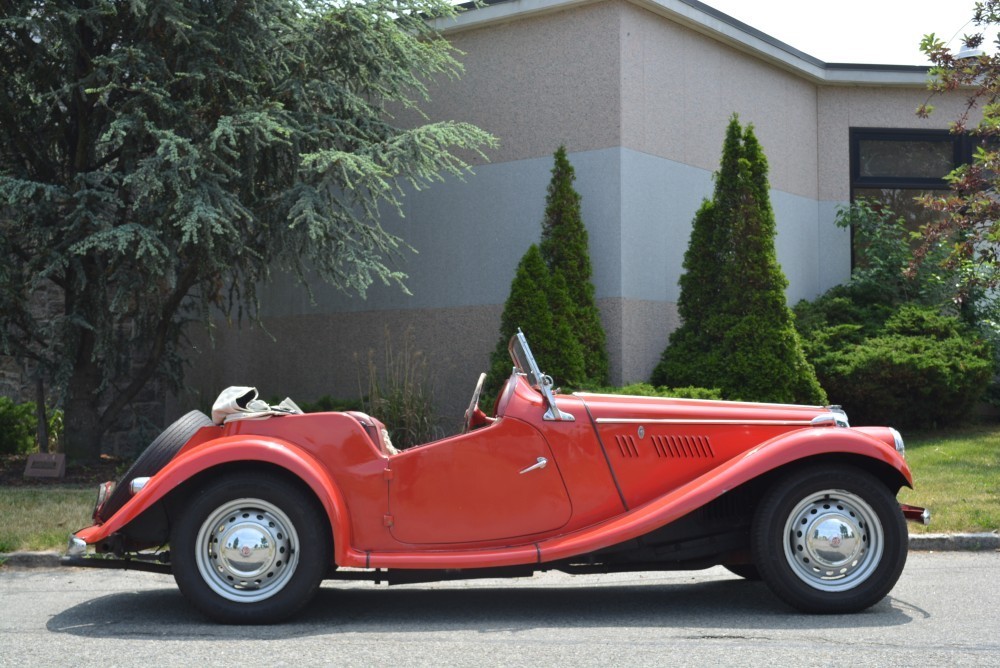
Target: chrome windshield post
[553,414]
[525,362]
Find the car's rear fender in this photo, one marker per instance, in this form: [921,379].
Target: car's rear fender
[245,451]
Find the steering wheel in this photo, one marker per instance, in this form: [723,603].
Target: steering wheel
[470,412]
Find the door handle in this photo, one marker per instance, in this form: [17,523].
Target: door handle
[539,464]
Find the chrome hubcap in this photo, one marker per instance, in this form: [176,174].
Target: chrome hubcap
[247,550]
[834,540]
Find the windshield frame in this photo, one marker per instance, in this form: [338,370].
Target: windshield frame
[525,364]
[524,361]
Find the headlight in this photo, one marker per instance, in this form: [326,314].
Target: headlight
[898,439]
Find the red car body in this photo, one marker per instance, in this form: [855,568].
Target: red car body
[583,483]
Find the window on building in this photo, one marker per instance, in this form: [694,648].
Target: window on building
[896,166]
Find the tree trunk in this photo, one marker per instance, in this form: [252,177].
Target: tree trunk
[83,429]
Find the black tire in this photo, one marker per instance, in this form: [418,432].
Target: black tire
[745,571]
[155,457]
[829,540]
[225,569]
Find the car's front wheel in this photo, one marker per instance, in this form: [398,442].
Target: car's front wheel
[250,549]
[830,539]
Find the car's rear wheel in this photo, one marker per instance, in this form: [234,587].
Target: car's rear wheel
[154,457]
[829,540]
[250,549]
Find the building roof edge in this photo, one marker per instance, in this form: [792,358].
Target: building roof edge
[713,23]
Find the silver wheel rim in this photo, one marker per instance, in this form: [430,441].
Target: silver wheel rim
[247,550]
[833,540]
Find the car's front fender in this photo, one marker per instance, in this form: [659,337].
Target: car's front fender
[797,446]
[228,450]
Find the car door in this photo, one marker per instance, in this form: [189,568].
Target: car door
[496,483]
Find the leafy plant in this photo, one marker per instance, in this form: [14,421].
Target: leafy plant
[907,365]
[19,427]
[883,272]
[968,224]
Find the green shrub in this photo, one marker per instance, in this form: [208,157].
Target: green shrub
[552,298]
[923,369]
[891,345]
[19,427]
[647,390]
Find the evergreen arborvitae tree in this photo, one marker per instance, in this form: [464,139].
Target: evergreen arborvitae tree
[709,249]
[565,249]
[738,333]
[159,159]
[539,305]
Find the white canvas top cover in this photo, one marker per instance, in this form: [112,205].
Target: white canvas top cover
[241,403]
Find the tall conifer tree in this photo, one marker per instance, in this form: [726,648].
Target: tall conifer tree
[737,333]
[539,305]
[565,248]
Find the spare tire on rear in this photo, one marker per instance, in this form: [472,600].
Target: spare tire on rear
[153,458]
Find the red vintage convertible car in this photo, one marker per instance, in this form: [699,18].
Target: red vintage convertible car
[250,515]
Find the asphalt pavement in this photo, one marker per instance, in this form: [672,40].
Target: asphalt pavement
[940,613]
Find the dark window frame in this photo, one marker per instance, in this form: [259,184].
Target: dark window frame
[962,148]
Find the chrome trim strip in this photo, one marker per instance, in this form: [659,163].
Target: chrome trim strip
[584,395]
[775,423]
[836,419]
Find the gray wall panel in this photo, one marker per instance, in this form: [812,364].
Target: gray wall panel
[469,236]
[660,198]
[638,208]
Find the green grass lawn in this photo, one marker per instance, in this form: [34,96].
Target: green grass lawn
[957,476]
[42,518]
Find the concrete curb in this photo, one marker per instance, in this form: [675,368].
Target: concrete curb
[954,542]
[927,542]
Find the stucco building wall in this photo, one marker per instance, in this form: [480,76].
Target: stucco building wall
[640,93]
